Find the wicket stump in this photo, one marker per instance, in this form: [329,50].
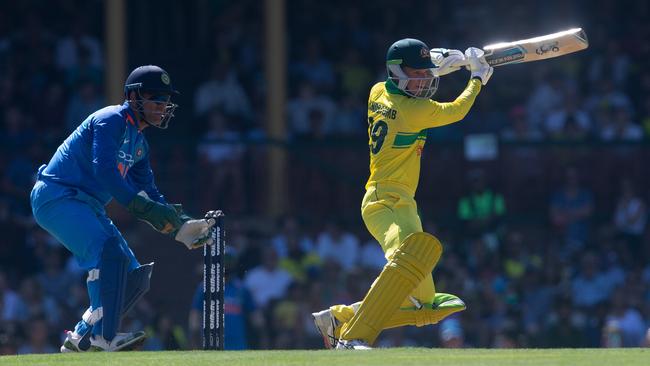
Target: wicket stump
[214,285]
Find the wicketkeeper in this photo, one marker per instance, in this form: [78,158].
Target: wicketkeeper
[107,157]
[400,110]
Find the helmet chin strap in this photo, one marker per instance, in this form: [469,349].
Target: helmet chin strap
[401,76]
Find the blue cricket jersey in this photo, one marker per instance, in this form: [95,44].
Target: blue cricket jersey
[106,157]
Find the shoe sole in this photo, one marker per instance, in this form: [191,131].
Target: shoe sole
[127,346]
[322,326]
[133,345]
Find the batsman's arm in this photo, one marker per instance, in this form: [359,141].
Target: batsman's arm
[429,113]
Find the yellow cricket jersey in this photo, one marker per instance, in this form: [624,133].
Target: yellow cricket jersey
[397,130]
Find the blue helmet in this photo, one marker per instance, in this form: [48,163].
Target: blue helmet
[156,84]
[415,54]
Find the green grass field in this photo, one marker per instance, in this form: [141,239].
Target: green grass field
[393,356]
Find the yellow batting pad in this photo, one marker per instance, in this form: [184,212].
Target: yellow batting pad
[443,305]
[410,264]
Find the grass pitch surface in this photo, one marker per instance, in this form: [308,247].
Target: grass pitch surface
[393,356]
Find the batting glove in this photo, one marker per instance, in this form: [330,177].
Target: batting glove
[477,64]
[447,60]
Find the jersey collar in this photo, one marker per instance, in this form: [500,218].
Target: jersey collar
[130,116]
[391,88]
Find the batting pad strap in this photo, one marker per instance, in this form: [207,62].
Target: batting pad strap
[93,275]
[92,317]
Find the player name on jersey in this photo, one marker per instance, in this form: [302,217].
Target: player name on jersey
[383,110]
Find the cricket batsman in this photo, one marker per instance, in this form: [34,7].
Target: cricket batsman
[107,157]
[399,112]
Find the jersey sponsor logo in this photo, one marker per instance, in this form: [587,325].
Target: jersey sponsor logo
[124,162]
[383,110]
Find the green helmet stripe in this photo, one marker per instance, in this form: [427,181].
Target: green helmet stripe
[394,62]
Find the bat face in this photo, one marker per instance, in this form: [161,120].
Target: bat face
[538,48]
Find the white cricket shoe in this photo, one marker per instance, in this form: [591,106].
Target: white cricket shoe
[121,342]
[75,343]
[353,344]
[326,323]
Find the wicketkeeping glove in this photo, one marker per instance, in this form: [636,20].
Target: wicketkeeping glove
[194,233]
[447,60]
[161,217]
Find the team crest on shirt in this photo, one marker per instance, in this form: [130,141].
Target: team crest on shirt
[138,153]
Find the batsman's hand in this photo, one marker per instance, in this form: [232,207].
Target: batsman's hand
[447,60]
[162,217]
[477,64]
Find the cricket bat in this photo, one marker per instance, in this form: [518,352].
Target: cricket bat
[537,48]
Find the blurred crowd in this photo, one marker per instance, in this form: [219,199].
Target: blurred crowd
[539,196]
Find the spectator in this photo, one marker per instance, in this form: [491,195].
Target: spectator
[291,230]
[78,46]
[621,128]
[10,303]
[84,101]
[314,68]
[625,320]
[268,281]
[223,91]
[590,287]
[630,219]
[520,130]
[165,336]
[35,304]
[570,210]
[481,210]
[333,241]
[38,338]
[451,333]
[547,97]
[562,330]
[221,154]
[371,256]
[570,122]
[53,280]
[307,101]
[301,264]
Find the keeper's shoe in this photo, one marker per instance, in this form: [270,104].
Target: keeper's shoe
[75,343]
[354,344]
[326,324]
[121,342]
